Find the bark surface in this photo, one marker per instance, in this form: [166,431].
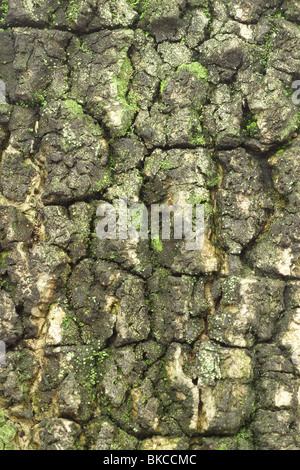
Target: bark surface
[124,344]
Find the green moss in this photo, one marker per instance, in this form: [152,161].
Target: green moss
[252,129]
[266,50]
[222,447]
[166,165]
[208,209]
[162,86]
[129,101]
[103,183]
[197,69]
[293,127]
[40,98]
[3,256]
[3,10]
[7,434]
[244,435]
[73,10]
[157,245]
[146,8]
[70,331]
[198,140]
[74,108]
[22,104]
[196,200]
[230,289]
[122,80]
[213,182]
[134,3]
[250,126]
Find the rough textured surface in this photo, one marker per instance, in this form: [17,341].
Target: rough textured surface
[139,345]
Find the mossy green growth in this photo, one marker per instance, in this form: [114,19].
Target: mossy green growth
[250,126]
[252,129]
[244,434]
[134,3]
[2,258]
[7,434]
[96,358]
[287,132]
[197,138]
[197,199]
[162,86]
[74,108]
[73,10]
[157,245]
[211,183]
[197,69]
[198,141]
[208,209]
[145,8]
[223,446]
[76,111]
[103,183]
[3,10]
[122,80]
[129,100]
[40,98]
[166,165]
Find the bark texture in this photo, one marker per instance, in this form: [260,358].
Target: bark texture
[119,344]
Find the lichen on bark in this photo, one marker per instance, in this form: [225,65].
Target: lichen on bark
[140,344]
